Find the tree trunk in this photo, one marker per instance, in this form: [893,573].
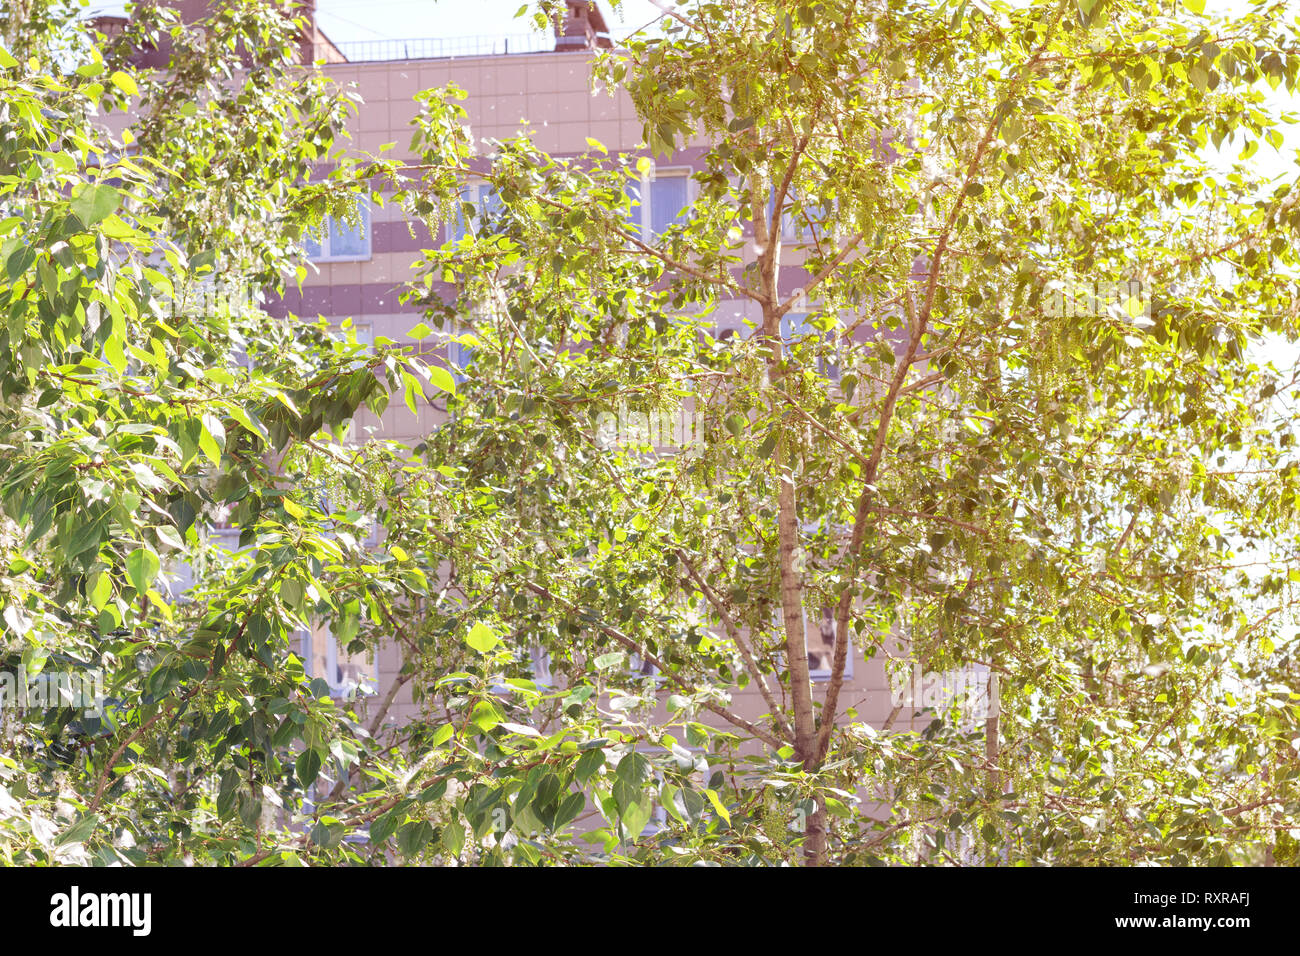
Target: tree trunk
[768,239]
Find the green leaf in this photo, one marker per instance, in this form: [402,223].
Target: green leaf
[94,203]
[291,592]
[414,837]
[717,805]
[326,835]
[440,378]
[673,799]
[99,589]
[307,767]
[634,816]
[383,827]
[86,536]
[242,416]
[482,638]
[79,831]
[588,764]
[568,810]
[115,227]
[113,352]
[414,579]
[125,83]
[413,392]
[453,837]
[522,730]
[212,437]
[485,715]
[635,768]
[142,566]
[1196,6]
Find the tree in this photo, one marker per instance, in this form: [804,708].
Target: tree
[144,391]
[959,451]
[964,448]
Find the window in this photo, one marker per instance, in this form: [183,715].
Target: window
[801,221]
[349,675]
[821,646]
[461,340]
[659,200]
[362,332]
[797,327]
[638,667]
[669,197]
[539,666]
[968,693]
[337,240]
[819,639]
[460,353]
[485,202]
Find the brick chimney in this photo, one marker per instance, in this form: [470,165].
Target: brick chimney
[584,27]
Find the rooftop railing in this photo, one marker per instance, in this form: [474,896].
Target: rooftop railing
[432,48]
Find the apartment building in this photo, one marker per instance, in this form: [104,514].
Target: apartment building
[541,85]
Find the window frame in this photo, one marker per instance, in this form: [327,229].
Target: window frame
[339,327]
[459,226]
[822,674]
[338,691]
[833,371]
[645,223]
[797,231]
[327,222]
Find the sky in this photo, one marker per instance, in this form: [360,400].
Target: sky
[347,20]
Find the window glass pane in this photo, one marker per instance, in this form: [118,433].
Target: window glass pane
[667,199]
[458,225]
[346,673]
[795,223]
[484,201]
[787,218]
[355,673]
[489,203]
[348,240]
[820,639]
[311,244]
[795,325]
[810,220]
[634,192]
[459,355]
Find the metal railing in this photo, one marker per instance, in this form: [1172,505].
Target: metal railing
[432,48]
